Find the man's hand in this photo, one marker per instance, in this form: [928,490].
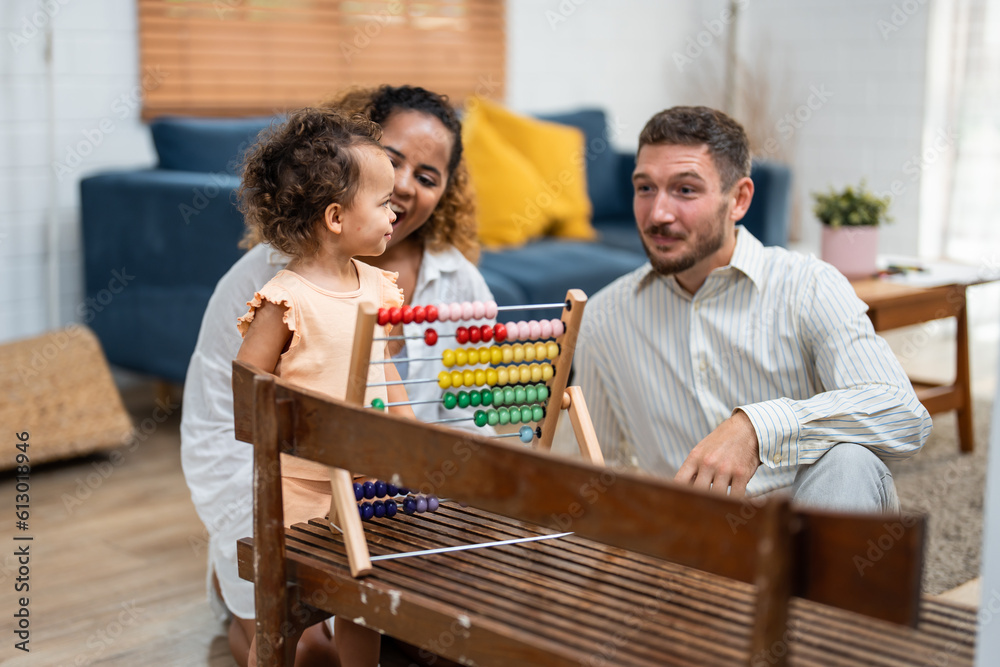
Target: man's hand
[726,457]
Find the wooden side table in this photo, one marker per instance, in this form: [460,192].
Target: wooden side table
[892,305]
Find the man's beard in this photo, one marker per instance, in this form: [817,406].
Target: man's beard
[705,246]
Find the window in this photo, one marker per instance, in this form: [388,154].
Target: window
[249,57]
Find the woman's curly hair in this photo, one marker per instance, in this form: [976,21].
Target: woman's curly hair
[296,170]
[453,221]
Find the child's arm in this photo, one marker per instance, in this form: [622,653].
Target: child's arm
[266,337]
[397,392]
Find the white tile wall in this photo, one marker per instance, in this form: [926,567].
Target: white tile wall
[94,63]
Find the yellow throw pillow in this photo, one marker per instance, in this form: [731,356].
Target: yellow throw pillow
[557,153]
[528,176]
[503,180]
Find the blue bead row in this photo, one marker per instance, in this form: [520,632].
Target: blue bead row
[377,489]
[377,509]
[411,505]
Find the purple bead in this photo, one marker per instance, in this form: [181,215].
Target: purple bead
[390,508]
[380,489]
[421,504]
[409,505]
[433,503]
[358,492]
[378,507]
[367,512]
[391,490]
[403,491]
[369,490]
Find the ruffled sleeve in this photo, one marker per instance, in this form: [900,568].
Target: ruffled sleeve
[392,294]
[279,296]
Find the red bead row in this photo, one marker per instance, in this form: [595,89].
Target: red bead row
[485,333]
[407,314]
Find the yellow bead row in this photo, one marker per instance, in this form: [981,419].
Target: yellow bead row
[500,354]
[492,377]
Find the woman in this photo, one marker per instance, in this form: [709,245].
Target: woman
[433,248]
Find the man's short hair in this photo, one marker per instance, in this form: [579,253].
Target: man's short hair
[693,126]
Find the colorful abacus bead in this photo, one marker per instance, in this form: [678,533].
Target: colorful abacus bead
[430,338]
[378,508]
[378,404]
[366,510]
[390,508]
[369,490]
[526,434]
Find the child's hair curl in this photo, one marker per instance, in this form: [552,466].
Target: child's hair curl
[296,170]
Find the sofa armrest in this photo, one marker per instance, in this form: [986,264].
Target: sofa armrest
[155,243]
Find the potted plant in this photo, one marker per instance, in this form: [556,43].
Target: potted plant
[850,220]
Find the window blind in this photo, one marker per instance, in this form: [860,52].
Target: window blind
[249,57]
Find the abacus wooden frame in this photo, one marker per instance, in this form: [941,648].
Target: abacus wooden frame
[784,551]
[343,512]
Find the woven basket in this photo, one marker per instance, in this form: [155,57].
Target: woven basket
[58,388]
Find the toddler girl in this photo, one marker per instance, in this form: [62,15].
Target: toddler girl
[318,190]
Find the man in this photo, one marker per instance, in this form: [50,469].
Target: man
[731,366]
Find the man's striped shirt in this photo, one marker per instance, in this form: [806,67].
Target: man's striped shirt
[779,335]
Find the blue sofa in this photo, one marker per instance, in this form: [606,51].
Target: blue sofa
[174,231]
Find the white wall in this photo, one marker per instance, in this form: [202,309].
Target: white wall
[565,54]
[639,57]
[870,56]
[95,126]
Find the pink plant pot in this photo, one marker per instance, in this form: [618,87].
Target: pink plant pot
[851,250]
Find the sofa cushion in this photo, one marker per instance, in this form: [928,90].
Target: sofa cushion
[205,144]
[605,188]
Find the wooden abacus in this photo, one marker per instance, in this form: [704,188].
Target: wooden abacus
[344,515]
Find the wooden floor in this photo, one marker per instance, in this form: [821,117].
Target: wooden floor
[117,562]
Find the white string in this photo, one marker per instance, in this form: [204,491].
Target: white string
[464,547]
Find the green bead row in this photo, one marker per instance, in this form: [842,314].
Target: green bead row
[512,415]
[498,396]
